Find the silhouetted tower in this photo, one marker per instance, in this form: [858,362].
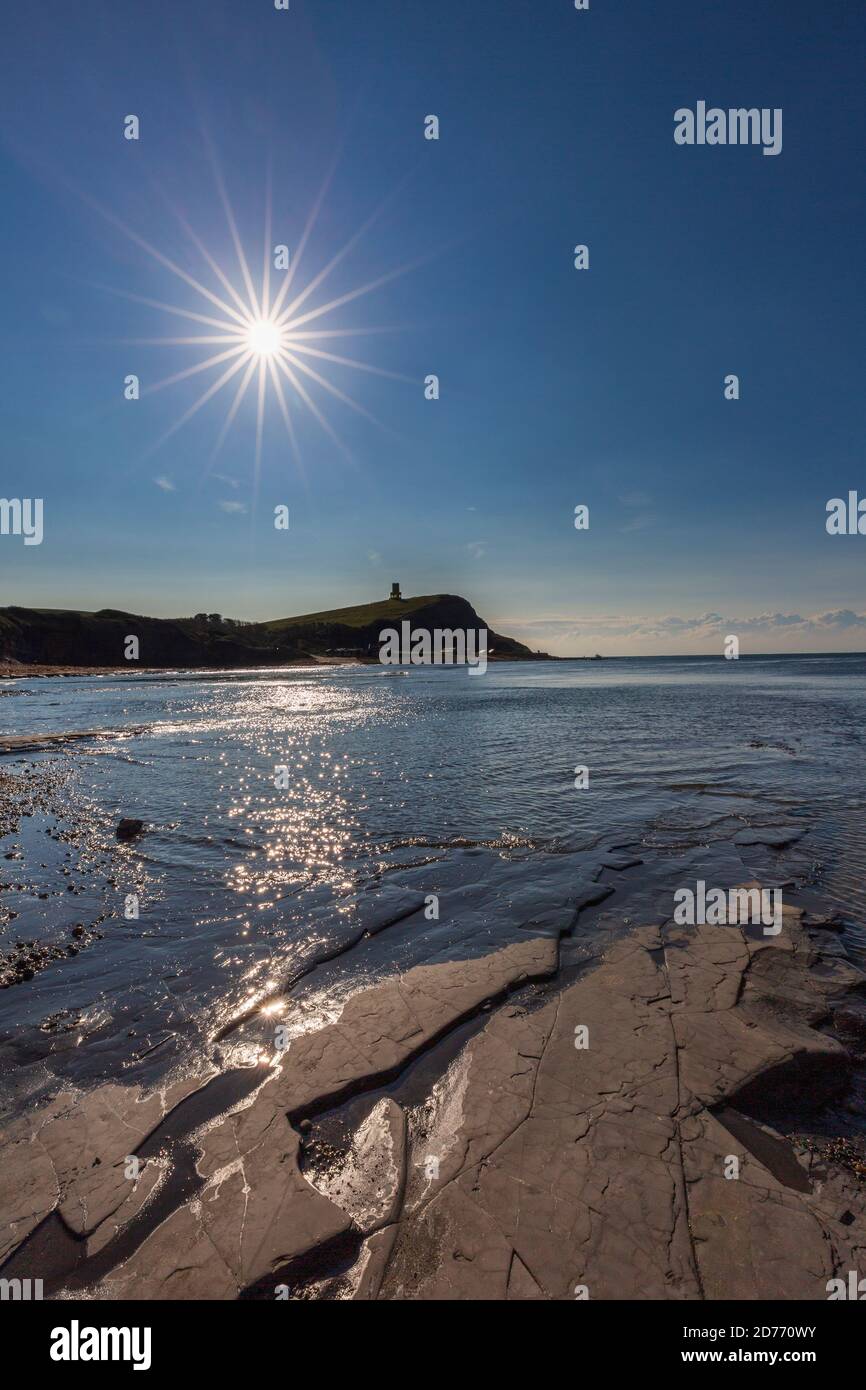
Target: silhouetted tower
[395,590]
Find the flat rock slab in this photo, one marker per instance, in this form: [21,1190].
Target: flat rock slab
[601,1141]
[37,743]
[603,1170]
[247,1201]
[775,836]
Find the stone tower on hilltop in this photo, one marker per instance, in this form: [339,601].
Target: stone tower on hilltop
[395,590]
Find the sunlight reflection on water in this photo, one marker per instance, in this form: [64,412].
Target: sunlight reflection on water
[268,797]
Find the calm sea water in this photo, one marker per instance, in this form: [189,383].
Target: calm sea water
[397,782]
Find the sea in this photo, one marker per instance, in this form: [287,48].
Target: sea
[309,830]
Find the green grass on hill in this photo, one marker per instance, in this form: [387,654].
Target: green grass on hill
[361,616]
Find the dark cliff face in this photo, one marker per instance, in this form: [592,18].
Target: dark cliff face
[62,637]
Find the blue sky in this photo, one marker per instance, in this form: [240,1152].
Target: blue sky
[558,387]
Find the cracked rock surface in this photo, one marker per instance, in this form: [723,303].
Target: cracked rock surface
[605,1170]
[602,1136]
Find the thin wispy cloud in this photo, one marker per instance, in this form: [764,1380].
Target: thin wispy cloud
[687,632]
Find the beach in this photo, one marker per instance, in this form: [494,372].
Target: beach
[483,1063]
[528,1169]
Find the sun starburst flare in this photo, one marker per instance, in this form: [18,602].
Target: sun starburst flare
[263,341]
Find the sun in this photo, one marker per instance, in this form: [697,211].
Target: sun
[264,338]
[267,337]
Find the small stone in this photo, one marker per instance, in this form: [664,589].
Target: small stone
[128,828]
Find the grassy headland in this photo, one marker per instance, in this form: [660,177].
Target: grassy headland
[48,638]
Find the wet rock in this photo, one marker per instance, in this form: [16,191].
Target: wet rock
[128,828]
[366,1181]
[774,836]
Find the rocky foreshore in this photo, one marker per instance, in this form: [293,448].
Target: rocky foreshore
[645,1131]
[26,670]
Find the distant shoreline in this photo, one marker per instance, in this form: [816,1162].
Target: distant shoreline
[12,670]
[21,670]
